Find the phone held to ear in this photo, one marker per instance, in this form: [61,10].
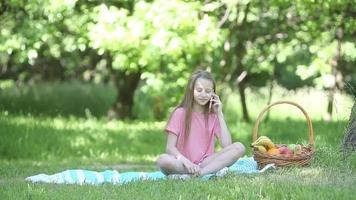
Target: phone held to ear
[210,103]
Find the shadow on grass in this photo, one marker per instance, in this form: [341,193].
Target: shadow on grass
[93,141]
[43,141]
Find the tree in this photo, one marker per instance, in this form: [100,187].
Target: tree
[334,22]
[349,142]
[44,42]
[158,36]
[96,39]
[253,30]
[281,40]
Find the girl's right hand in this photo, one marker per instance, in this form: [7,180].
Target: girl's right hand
[191,167]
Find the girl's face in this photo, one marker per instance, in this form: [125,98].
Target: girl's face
[203,90]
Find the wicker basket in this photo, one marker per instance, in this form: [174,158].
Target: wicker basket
[283,160]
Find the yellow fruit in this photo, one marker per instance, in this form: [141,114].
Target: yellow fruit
[273,151]
[261,149]
[258,140]
[264,141]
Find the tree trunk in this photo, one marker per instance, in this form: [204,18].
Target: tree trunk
[334,65]
[349,142]
[125,85]
[245,115]
[239,72]
[270,93]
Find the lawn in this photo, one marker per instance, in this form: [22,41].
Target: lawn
[34,139]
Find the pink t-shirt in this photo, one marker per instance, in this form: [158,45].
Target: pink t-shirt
[200,143]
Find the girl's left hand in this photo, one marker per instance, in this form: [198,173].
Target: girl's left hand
[215,103]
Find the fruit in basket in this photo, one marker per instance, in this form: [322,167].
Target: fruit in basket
[298,149]
[264,141]
[285,150]
[273,151]
[256,141]
[261,149]
[291,146]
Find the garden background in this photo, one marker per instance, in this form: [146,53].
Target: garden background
[90,84]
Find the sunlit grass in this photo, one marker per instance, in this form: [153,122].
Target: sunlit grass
[33,143]
[282,184]
[134,141]
[29,137]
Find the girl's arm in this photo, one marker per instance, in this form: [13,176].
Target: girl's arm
[172,150]
[171,145]
[225,138]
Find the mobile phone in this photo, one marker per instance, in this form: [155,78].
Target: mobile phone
[210,103]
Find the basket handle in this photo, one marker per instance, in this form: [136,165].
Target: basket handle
[310,126]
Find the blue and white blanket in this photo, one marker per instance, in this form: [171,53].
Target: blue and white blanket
[80,176]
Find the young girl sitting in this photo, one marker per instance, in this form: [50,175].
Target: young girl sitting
[191,132]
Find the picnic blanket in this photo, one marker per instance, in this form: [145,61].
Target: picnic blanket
[81,176]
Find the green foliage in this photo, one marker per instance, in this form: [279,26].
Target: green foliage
[53,99]
[161,93]
[292,42]
[153,33]
[163,40]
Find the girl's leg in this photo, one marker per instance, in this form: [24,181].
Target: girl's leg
[170,165]
[223,158]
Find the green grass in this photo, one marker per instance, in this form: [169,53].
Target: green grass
[45,141]
[291,184]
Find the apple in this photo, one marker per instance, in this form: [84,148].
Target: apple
[285,150]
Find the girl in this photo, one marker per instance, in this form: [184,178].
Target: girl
[191,132]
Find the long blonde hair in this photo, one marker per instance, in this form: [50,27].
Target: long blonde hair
[188,99]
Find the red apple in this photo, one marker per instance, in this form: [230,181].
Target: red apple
[285,150]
